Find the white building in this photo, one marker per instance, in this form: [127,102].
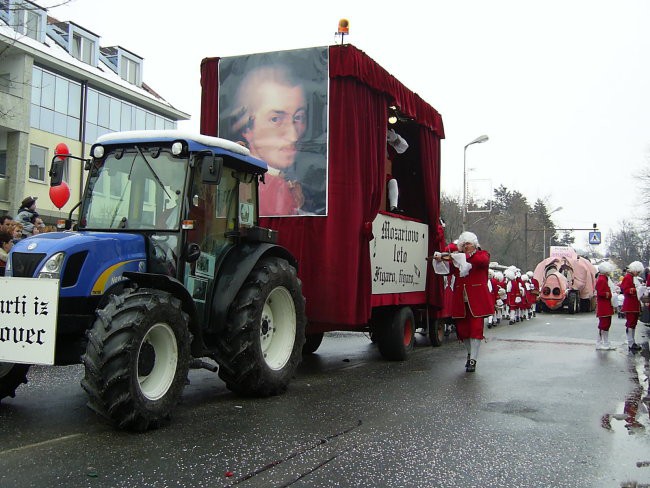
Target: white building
[58,84]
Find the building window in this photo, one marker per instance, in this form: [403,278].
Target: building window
[28,20]
[3,163]
[37,158]
[83,49]
[130,70]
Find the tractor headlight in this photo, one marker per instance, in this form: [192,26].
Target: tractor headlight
[52,267]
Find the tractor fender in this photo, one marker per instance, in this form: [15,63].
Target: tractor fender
[176,288]
[233,271]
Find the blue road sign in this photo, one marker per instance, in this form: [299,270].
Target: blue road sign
[594,238]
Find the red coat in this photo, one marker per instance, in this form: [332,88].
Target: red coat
[475,286]
[448,284]
[495,289]
[604,306]
[630,300]
[276,197]
[512,292]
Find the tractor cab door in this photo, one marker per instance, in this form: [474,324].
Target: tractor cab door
[217,212]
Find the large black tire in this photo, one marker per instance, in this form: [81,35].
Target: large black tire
[585,305]
[137,359]
[572,302]
[261,345]
[12,375]
[396,336]
[312,342]
[436,331]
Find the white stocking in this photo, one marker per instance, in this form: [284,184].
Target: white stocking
[630,336]
[475,344]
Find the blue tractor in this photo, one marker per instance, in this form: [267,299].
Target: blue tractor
[165,270]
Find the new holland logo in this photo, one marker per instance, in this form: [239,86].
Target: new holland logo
[32,246]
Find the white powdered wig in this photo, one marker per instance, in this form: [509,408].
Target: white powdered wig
[510,273]
[605,267]
[467,237]
[636,267]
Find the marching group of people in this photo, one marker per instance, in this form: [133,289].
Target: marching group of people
[625,299]
[474,294]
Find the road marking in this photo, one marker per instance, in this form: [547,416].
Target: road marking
[40,444]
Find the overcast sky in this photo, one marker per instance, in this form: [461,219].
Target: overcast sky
[561,87]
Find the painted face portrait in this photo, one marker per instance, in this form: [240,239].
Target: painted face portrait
[275,104]
[277,122]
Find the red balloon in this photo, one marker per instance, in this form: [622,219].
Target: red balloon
[60,194]
[61,149]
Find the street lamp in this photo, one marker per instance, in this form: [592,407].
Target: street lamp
[478,140]
[544,235]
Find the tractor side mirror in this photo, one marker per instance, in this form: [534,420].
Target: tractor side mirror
[61,153]
[211,169]
[192,252]
[56,171]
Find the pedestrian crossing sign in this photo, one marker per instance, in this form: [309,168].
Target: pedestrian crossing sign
[594,238]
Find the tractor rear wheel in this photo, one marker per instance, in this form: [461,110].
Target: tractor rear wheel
[137,358]
[261,345]
[12,375]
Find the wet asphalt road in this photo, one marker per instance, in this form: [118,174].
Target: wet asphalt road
[544,409]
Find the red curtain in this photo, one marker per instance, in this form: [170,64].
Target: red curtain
[333,251]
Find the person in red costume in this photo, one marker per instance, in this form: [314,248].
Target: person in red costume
[272,119]
[631,305]
[514,294]
[534,291]
[471,301]
[604,306]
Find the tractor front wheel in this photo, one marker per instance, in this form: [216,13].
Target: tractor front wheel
[137,358]
[12,375]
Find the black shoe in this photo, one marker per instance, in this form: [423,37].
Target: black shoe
[498,321]
[489,325]
[396,210]
[634,347]
[512,322]
[471,367]
[467,362]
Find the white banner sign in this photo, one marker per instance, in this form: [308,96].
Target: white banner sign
[563,252]
[398,255]
[28,311]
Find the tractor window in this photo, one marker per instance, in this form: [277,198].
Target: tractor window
[135,189]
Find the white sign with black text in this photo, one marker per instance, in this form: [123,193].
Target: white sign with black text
[398,255]
[28,311]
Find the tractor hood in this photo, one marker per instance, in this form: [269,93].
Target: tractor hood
[92,261]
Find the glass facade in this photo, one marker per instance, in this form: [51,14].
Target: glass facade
[56,108]
[56,104]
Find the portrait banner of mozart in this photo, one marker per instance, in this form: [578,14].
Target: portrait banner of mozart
[275,104]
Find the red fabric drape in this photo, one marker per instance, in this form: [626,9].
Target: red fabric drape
[333,251]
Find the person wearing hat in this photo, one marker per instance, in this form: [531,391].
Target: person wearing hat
[631,305]
[604,305]
[27,215]
[472,301]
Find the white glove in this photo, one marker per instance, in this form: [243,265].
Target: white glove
[517,299]
[464,269]
[499,303]
[437,255]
